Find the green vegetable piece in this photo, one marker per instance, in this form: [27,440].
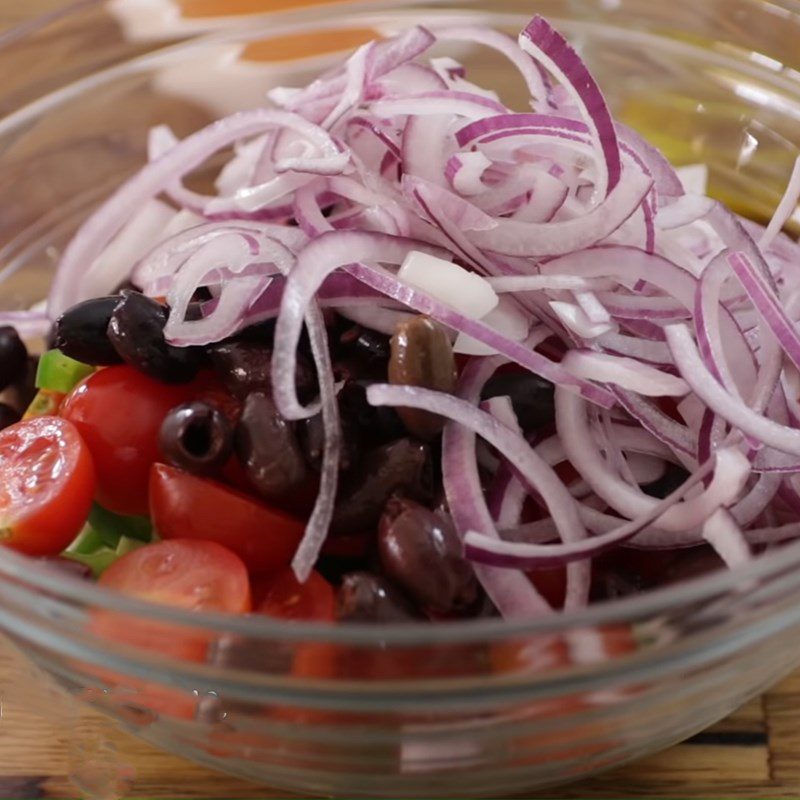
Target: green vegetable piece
[87,541]
[45,403]
[111,527]
[60,373]
[102,558]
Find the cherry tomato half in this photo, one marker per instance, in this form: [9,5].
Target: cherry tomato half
[286,598]
[313,601]
[198,576]
[183,506]
[46,485]
[119,412]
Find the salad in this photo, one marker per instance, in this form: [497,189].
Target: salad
[419,357]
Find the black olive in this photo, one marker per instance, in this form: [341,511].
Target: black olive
[361,353]
[672,479]
[13,357]
[136,330]
[21,393]
[197,437]
[8,415]
[422,553]
[245,366]
[81,332]
[366,597]
[267,448]
[531,396]
[398,467]
[363,426]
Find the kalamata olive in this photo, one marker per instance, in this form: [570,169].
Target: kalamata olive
[363,426]
[422,553]
[136,330]
[13,357]
[8,415]
[81,332]
[267,448]
[197,437]
[366,597]
[362,353]
[421,355]
[531,396]
[397,467]
[21,393]
[246,366]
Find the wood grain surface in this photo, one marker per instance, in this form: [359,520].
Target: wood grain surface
[52,748]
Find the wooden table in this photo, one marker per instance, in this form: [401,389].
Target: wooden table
[50,748]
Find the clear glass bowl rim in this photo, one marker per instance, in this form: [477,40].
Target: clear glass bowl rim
[26,572]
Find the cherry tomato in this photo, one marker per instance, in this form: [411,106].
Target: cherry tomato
[286,598]
[119,412]
[184,573]
[47,482]
[186,507]
[197,576]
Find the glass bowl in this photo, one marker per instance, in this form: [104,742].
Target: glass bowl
[471,709]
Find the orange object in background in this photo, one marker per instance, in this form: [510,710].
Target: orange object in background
[284,48]
[227,8]
[302,45]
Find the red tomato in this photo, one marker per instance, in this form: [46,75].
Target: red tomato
[186,507]
[47,482]
[119,412]
[197,576]
[285,597]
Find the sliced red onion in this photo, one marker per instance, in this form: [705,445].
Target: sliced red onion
[114,264]
[683,211]
[438,277]
[557,238]
[28,324]
[544,44]
[575,319]
[785,209]
[626,373]
[536,79]
[462,104]
[387,284]
[101,227]
[557,228]
[575,434]
[538,475]
[508,319]
[768,305]
[703,383]
[727,467]
[514,598]
[464,172]
[319,522]
[590,305]
[725,536]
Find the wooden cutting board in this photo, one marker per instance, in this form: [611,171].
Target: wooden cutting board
[50,748]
